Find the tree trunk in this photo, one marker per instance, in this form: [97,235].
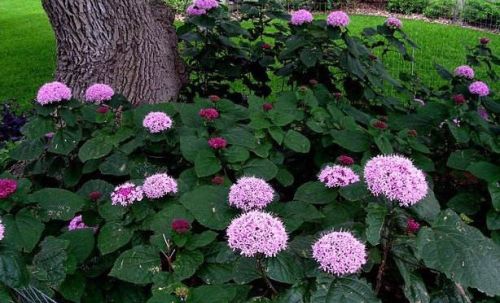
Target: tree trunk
[128,44]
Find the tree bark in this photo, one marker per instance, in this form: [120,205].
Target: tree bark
[128,44]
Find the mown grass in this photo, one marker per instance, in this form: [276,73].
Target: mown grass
[28,55]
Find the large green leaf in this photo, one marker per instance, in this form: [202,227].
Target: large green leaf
[50,262]
[81,243]
[95,148]
[428,208]
[485,170]
[57,204]
[209,206]
[494,189]
[375,218]
[285,268]
[65,140]
[262,168]
[462,252]
[23,231]
[138,265]
[206,163]
[315,193]
[352,140]
[345,290]
[187,263]
[27,150]
[112,236]
[13,271]
[73,287]
[297,142]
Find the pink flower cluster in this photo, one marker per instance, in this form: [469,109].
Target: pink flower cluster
[2,230]
[255,233]
[339,253]
[7,188]
[98,93]
[206,4]
[53,92]
[337,176]
[209,114]
[464,71]
[338,19]
[300,17]
[158,186]
[393,23]
[250,193]
[479,88]
[396,178]
[126,194]
[77,223]
[217,143]
[194,11]
[157,122]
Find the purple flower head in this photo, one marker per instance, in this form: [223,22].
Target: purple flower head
[126,194]
[77,223]
[464,71]
[194,11]
[158,186]
[7,188]
[250,193]
[393,23]
[337,176]
[300,17]
[2,230]
[339,253]
[206,4]
[338,19]
[98,93]
[53,92]
[255,233]
[217,143]
[483,113]
[479,88]
[209,114]
[157,122]
[396,178]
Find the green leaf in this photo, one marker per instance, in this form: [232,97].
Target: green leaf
[206,163]
[262,168]
[277,134]
[236,154]
[50,262]
[73,287]
[427,209]
[493,220]
[461,252]
[162,298]
[345,290]
[116,165]
[96,185]
[201,240]
[187,263]
[209,206]
[375,218]
[414,289]
[161,222]
[485,170]
[23,231]
[95,148]
[65,140]
[383,144]
[81,243]
[138,265]
[27,150]
[112,236]
[494,189]
[217,293]
[191,145]
[295,213]
[214,273]
[285,177]
[308,57]
[354,192]
[285,268]
[13,271]
[315,193]
[57,204]
[466,203]
[297,142]
[353,140]
[239,136]
[460,159]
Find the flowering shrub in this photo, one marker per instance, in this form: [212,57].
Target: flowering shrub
[330,192]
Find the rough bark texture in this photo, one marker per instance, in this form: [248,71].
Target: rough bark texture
[128,44]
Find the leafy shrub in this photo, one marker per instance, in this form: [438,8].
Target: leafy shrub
[482,12]
[440,9]
[407,6]
[89,219]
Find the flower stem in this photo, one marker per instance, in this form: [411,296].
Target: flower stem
[386,247]
[262,270]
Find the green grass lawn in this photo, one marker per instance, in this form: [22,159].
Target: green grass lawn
[27,48]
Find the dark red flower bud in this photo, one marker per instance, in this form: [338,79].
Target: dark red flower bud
[412,226]
[266,46]
[214,98]
[217,143]
[209,114]
[95,195]
[181,226]
[102,109]
[313,82]
[267,107]
[412,133]
[459,99]
[372,57]
[218,180]
[345,160]
[380,124]
[484,41]
[337,95]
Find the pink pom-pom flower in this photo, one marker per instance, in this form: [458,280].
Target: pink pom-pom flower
[206,4]
[300,17]
[479,88]
[339,253]
[396,178]
[158,186]
[53,92]
[217,143]
[77,223]
[393,23]
[126,194]
[250,193]
[464,71]
[157,122]
[7,188]
[337,176]
[337,19]
[2,230]
[255,233]
[194,11]
[209,114]
[98,93]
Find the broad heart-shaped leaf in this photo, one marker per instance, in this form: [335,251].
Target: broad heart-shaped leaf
[13,271]
[206,163]
[161,222]
[354,192]
[485,170]
[209,206]
[187,263]
[460,159]
[137,265]
[201,240]
[65,140]
[95,148]
[375,218]
[27,150]
[462,252]
[81,243]
[315,193]
[346,290]
[352,140]
[57,204]
[162,298]
[414,288]
[23,231]
[96,185]
[297,142]
[50,262]
[494,189]
[427,209]
[261,168]
[218,293]
[285,268]
[112,236]
[73,287]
